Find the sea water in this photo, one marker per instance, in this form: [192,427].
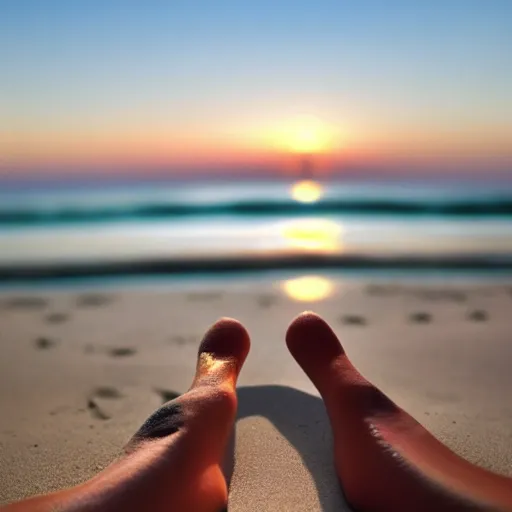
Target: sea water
[116,223]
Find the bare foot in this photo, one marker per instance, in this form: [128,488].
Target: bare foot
[386,460]
[175,460]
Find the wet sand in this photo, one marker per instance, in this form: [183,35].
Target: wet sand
[80,369]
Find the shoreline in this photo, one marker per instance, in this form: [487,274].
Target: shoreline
[28,273]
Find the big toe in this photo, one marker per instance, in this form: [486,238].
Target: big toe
[313,344]
[310,335]
[222,353]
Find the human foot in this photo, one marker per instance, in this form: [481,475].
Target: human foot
[174,461]
[384,458]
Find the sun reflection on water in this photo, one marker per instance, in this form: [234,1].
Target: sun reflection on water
[308,288]
[307,191]
[313,235]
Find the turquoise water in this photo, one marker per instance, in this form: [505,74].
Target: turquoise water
[66,204]
[261,223]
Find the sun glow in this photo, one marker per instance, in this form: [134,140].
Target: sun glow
[306,136]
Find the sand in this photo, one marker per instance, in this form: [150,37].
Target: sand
[81,367]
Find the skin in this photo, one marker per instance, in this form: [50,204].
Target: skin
[384,458]
[175,460]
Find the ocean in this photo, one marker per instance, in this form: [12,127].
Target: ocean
[175,227]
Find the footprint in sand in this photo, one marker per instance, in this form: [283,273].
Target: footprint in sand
[440,295]
[355,320]
[107,402]
[266,301]
[59,410]
[43,343]
[381,290]
[204,296]
[96,411]
[93,300]
[94,401]
[183,340]
[121,352]
[479,315]
[166,395]
[458,296]
[420,318]
[107,392]
[56,318]
[25,303]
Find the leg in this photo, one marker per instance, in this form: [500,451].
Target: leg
[384,458]
[174,461]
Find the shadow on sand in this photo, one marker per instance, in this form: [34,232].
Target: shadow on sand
[300,418]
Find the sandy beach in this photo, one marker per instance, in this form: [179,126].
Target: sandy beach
[81,367]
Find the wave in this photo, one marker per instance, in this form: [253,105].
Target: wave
[25,216]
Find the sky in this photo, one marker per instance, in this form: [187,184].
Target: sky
[186,87]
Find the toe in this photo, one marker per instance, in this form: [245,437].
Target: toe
[316,349]
[222,354]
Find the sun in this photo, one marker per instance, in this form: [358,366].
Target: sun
[306,136]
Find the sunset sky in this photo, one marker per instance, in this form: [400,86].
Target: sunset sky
[196,86]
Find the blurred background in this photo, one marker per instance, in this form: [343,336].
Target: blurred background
[164,163]
[165,137]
